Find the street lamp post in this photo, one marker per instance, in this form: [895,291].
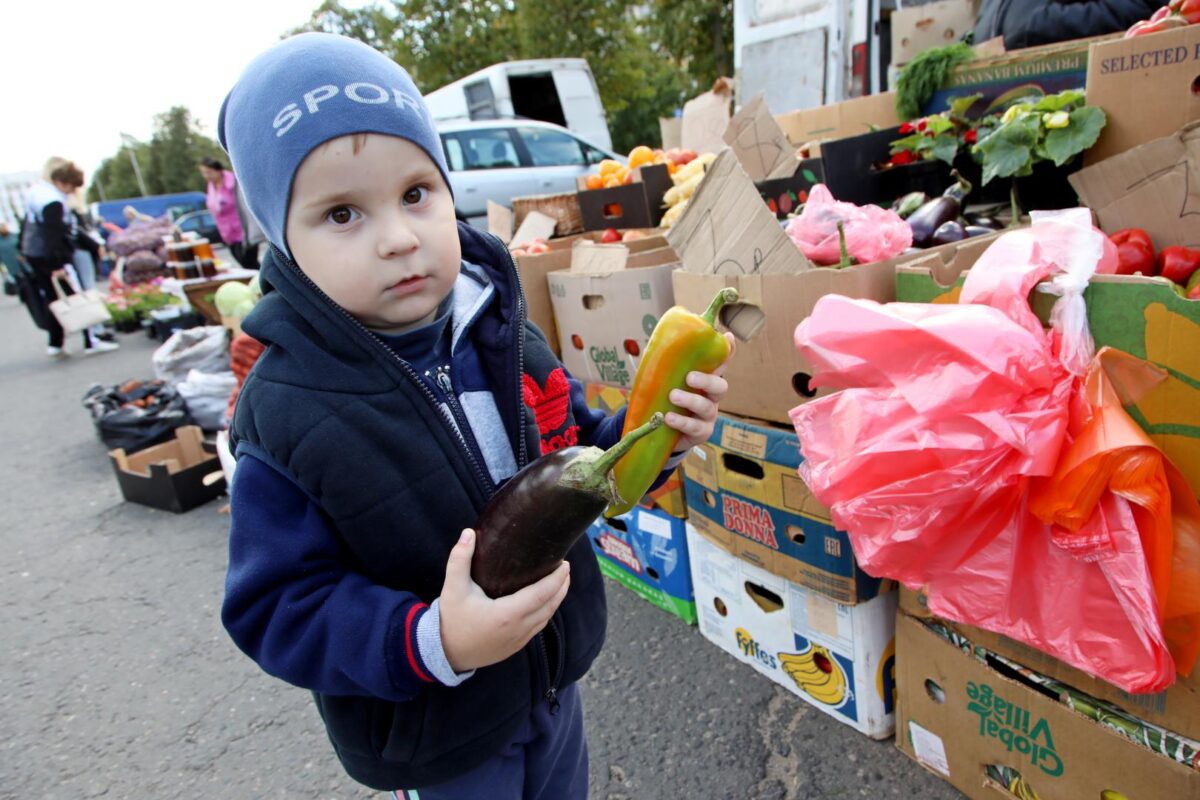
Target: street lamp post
[128,142]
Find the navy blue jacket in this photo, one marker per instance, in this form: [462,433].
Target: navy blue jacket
[331,598]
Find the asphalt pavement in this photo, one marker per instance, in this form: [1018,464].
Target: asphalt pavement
[117,680]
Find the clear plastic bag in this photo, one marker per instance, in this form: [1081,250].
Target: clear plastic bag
[952,458]
[872,233]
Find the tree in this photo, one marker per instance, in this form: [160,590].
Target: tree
[647,60]
[698,35]
[168,161]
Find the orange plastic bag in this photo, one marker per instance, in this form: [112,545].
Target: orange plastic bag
[949,434]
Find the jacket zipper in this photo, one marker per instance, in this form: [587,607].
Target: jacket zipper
[518,343]
[480,475]
[552,679]
[444,382]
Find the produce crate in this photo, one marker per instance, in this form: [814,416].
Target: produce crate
[198,295]
[563,208]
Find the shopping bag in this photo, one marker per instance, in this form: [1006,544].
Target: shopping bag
[78,311]
[954,425]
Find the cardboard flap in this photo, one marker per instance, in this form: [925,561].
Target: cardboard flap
[839,120]
[536,225]
[598,258]
[705,118]
[1155,187]
[945,265]
[761,146]
[726,228]
[500,221]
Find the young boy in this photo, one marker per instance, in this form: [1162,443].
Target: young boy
[400,386]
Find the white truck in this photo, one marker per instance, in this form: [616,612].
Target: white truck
[558,90]
[810,53]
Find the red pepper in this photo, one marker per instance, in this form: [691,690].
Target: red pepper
[1165,24]
[1188,9]
[1135,252]
[903,157]
[971,136]
[1178,263]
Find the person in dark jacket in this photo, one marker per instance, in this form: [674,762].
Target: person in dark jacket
[1028,23]
[401,385]
[48,245]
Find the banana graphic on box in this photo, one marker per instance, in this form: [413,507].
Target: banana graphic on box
[818,673]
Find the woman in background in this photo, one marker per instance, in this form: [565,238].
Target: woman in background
[223,205]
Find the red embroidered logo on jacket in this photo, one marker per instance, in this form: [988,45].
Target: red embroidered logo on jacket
[550,405]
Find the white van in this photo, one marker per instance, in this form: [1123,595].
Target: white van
[557,90]
[810,54]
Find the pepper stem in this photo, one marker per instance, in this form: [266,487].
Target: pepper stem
[842,249]
[963,185]
[725,296]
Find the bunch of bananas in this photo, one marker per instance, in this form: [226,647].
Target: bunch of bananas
[818,673]
[686,179]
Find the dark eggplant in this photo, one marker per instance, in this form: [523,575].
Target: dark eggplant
[984,221]
[947,233]
[909,203]
[978,230]
[528,526]
[926,219]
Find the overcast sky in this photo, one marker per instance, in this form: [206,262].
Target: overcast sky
[77,74]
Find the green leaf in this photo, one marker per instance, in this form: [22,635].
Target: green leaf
[945,147]
[1060,101]
[1063,144]
[959,106]
[938,124]
[913,142]
[1008,151]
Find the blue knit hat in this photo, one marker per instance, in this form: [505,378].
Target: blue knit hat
[303,92]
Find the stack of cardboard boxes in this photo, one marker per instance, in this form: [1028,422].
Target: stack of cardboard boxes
[994,716]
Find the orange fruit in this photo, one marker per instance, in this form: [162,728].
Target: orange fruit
[640,155]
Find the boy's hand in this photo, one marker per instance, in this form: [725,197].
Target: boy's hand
[478,631]
[708,391]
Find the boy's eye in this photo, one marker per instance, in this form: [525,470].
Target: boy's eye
[340,215]
[416,195]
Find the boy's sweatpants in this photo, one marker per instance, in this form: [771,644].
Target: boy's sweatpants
[546,761]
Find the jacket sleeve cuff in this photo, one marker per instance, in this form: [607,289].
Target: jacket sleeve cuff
[429,643]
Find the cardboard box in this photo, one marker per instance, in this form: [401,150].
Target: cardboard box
[837,658]
[705,118]
[838,120]
[918,28]
[633,205]
[646,551]
[1146,86]
[605,318]
[726,238]
[1176,709]
[1048,69]
[784,196]
[1152,187]
[667,498]
[744,494]
[170,475]
[533,270]
[958,715]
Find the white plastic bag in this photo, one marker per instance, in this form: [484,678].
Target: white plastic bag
[204,349]
[206,395]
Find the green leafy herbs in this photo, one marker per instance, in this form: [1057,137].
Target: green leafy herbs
[924,75]
[1055,128]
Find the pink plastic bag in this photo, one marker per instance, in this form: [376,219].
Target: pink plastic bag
[950,414]
[872,233]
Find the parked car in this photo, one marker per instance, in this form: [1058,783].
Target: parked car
[200,223]
[498,160]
